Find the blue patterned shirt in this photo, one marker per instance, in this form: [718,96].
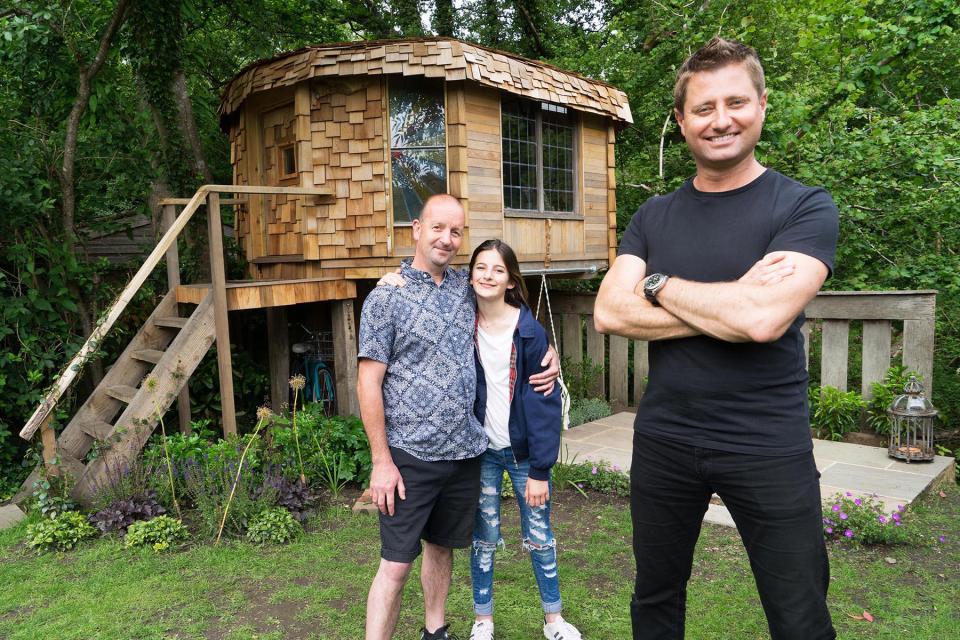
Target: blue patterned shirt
[423,332]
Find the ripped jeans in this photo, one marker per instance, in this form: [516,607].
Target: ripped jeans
[535,524]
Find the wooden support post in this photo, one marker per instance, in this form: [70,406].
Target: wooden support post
[173,281]
[278,343]
[834,354]
[572,338]
[597,351]
[619,352]
[218,283]
[48,439]
[918,335]
[345,356]
[641,369]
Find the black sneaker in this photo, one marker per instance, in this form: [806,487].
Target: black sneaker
[439,634]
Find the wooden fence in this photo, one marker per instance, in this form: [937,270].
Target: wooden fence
[894,327]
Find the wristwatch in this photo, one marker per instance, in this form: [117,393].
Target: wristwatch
[652,286]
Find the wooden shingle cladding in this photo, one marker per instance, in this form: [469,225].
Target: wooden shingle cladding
[340,128]
[451,60]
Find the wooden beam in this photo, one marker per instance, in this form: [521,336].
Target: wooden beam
[278,345]
[48,440]
[835,352]
[876,354]
[345,356]
[218,286]
[618,371]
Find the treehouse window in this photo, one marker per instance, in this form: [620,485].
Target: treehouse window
[288,161]
[538,158]
[418,157]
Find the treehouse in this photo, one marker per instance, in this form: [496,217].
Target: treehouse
[334,150]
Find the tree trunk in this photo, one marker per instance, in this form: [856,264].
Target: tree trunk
[188,125]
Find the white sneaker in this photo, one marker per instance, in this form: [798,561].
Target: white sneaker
[560,629]
[482,630]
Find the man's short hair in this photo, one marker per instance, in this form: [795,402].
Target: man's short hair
[718,53]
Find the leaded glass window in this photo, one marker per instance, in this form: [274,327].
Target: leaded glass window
[537,141]
[418,158]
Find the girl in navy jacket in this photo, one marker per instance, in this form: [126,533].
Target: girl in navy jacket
[523,427]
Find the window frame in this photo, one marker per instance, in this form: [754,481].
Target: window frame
[540,212]
[387,140]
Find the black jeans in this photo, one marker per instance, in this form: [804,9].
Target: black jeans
[775,502]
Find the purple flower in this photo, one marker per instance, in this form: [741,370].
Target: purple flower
[835,507]
[881,520]
[858,502]
[579,485]
[900,507]
[942,538]
[848,533]
[844,516]
[896,516]
[849,494]
[594,471]
[897,523]
[829,529]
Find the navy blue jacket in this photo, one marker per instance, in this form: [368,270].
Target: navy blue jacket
[534,418]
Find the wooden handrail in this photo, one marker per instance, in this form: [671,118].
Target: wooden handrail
[89,347]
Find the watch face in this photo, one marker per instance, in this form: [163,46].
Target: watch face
[654,281]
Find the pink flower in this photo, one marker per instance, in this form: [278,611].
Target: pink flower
[829,529]
[942,538]
[848,533]
[835,507]
[844,516]
[881,520]
[858,502]
[594,471]
[849,494]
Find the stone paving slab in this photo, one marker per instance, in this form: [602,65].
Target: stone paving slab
[860,469]
[10,514]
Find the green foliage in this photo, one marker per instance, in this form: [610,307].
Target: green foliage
[159,533]
[334,449]
[884,393]
[601,477]
[274,526]
[854,520]
[588,410]
[251,385]
[834,413]
[64,531]
[51,496]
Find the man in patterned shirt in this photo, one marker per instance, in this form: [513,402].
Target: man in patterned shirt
[417,385]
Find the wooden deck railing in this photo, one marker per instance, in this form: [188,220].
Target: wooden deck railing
[895,325]
[167,246]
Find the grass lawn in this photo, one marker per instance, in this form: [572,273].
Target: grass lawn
[316,587]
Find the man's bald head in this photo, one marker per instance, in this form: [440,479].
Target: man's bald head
[440,201]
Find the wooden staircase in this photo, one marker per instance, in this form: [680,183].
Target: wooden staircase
[124,409]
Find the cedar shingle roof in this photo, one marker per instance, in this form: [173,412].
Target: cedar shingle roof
[431,57]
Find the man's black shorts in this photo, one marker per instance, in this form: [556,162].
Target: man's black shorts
[440,507]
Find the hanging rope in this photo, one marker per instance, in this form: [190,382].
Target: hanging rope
[564,393]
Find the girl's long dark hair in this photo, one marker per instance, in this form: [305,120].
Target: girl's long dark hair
[517,296]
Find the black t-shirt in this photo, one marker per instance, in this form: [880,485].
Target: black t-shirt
[741,397]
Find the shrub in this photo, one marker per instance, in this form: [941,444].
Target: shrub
[834,413]
[583,410]
[333,448]
[276,525]
[51,496]
[853,520]
[119,515]
[581,378]
[601,477]
[139,478]
[208,488]
[160,533]
[884,392]
[63,531]
[292,495]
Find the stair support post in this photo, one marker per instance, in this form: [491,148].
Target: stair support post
[173,281]
[278,342]
[48,440]
[218,284]
[345,356]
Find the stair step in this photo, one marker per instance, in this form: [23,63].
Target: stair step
[122,392]
[97,429]
[148,355]
[171,322]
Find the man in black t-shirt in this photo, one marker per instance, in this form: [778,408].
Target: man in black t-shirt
[716,276]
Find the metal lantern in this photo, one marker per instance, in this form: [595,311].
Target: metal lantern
[911,424]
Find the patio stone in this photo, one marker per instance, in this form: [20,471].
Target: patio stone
[10,514]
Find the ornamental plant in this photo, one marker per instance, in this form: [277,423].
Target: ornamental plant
[855,520]
[834,413]
[64,531]
[160,533]
[276,526]
[884,393]
[120,514]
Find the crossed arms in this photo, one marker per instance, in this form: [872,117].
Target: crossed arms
[758,307]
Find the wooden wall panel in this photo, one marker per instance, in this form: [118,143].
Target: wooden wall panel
[593,202]
[482,107]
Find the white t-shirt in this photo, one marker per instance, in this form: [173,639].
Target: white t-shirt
[495,350]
